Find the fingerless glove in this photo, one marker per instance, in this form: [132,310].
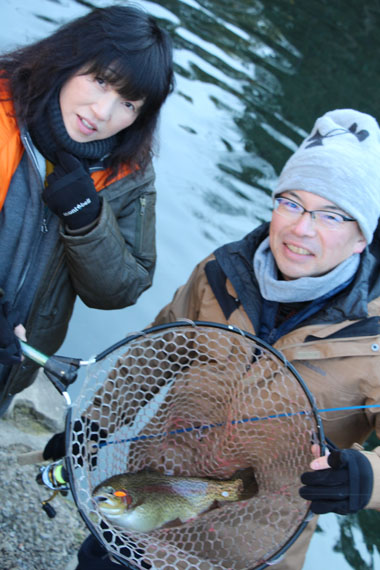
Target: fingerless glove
[345,488]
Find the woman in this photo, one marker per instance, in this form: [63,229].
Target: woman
[78,112]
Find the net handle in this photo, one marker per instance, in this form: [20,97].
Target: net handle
[61,370]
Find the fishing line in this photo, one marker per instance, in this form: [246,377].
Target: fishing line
[233,422]
[237,422]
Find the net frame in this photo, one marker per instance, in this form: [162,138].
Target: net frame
[122,552]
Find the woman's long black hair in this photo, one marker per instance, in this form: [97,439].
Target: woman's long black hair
[122,44]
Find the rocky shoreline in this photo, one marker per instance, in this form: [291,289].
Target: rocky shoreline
[29,539]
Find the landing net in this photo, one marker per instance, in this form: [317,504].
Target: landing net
[196,400]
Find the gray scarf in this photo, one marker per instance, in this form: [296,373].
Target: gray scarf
[302,289]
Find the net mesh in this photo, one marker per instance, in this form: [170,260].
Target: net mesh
[195,401]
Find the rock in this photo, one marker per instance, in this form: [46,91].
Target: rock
[29,540]
[43,402]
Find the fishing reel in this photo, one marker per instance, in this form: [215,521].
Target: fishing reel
[53,476]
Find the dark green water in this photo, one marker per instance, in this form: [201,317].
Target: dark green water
[252,77]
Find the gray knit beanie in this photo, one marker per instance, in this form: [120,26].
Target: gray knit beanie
[340,161]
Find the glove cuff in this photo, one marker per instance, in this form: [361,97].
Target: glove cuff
[360,480]
[374,460]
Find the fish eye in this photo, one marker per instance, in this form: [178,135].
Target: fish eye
[124,496]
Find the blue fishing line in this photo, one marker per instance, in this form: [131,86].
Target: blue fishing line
[209,426]
[233,422]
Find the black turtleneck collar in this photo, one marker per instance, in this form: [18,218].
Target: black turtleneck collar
[50,136]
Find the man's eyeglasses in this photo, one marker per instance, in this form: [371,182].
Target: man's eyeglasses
[322,218]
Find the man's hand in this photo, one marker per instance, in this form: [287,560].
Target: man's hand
[341,482]
[70,192]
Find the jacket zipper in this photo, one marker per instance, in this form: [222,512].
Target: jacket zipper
[44,229]
[142,200]
[28,147]
[43,225]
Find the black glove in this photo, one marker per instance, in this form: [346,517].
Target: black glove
[70,192]
[55,447]
[346,488]
[10,348]
[88,431]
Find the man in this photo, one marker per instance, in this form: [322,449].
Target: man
[308,283]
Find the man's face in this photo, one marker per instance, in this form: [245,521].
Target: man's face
[302,248]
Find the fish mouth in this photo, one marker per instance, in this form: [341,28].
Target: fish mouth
[109,505]
[103,497]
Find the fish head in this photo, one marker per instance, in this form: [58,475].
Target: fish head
[113,502]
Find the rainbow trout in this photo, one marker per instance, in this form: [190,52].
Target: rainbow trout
[146,501]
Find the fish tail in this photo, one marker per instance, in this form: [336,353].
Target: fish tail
[241,487]
[237,490]
[229,490]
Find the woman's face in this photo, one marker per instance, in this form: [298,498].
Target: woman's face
[93,110]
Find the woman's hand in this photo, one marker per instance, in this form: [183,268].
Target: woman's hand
[70,192]
[10,348]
